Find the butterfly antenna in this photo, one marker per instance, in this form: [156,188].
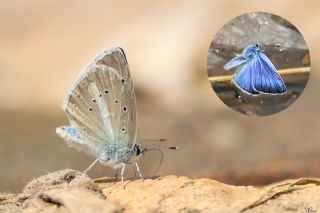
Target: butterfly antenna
[149,143]
[254,37]
[258,33]
[155,140]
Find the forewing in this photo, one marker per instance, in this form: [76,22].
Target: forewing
[236,61]
[243,78]
[100,104]
[266,78]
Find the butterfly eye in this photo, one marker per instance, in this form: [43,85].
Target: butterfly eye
[258,46]
[138,151]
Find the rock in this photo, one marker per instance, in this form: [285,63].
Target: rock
[69,200]
[8,202]
[182,194]
[70,191]
[63,178]
[65,191]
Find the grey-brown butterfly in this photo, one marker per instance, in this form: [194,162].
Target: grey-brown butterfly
[101,109]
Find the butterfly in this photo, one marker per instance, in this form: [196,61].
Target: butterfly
[255,73]
[101,109]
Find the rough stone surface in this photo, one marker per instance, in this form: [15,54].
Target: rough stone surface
[181,194]
[65,191]
[73,191]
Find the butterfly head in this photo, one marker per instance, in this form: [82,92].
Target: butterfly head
[138,150]
[252,49]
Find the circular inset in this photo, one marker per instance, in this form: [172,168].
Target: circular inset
[258,63]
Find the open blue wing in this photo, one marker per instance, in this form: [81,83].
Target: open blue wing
[265,77]
[243,78]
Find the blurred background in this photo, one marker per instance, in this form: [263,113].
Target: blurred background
[44,44]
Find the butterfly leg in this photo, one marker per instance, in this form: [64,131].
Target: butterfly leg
[135,174]
[94,162]
[116,175]
[138,170]
[122,171]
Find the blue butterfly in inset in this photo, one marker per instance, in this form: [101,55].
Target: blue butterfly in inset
[255,73]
